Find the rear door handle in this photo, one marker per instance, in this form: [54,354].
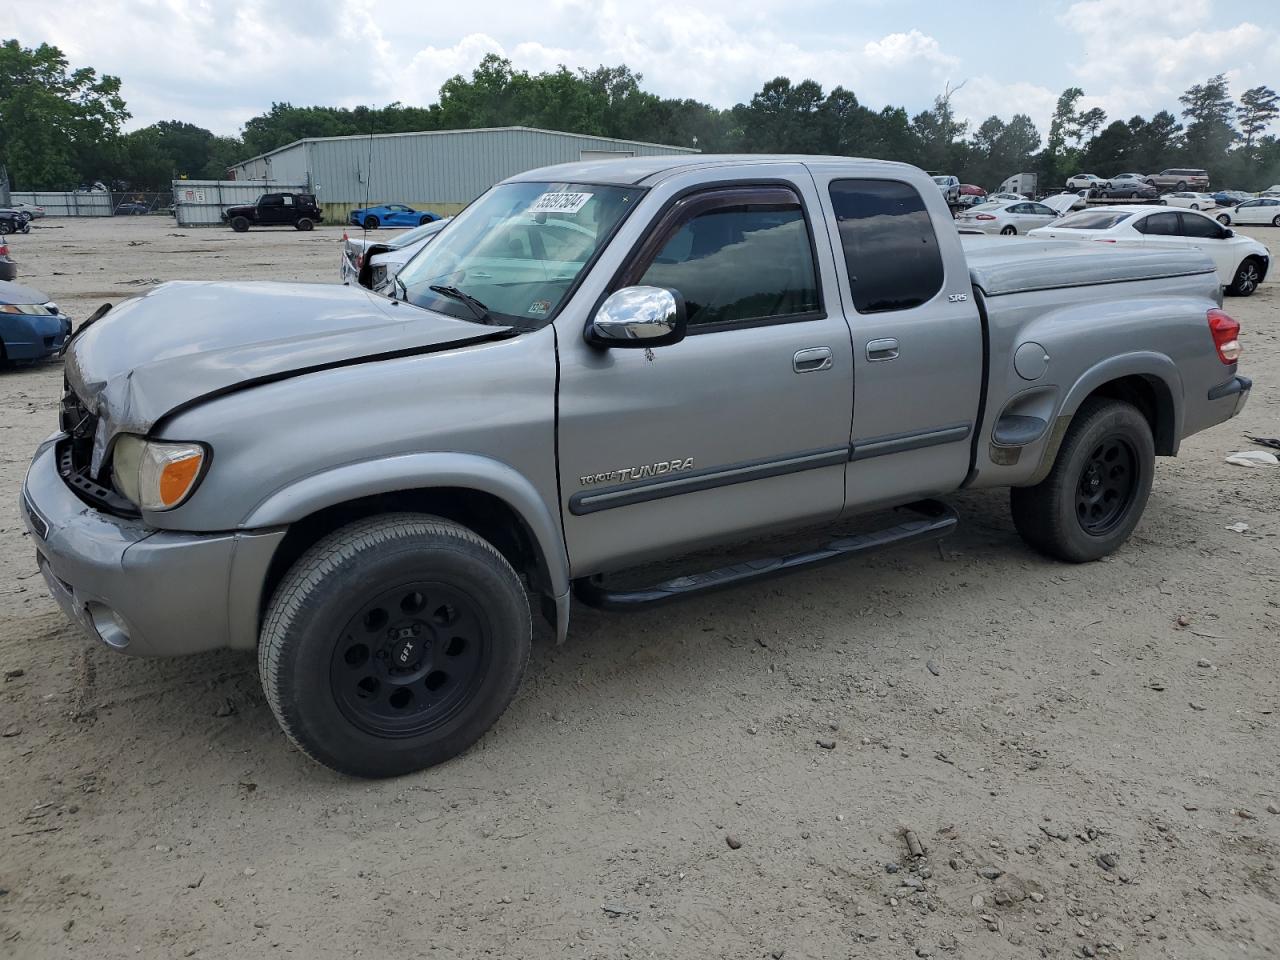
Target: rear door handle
[882,349]
[811,360]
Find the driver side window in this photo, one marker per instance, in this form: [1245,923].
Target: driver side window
[736,255]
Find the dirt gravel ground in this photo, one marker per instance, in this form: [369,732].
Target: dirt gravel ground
[1087,755]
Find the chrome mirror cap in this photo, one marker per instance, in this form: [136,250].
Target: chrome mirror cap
[639,317]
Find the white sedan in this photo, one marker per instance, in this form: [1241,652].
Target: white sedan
[1241,262]
[1190,200]
[1085,181]
[1262,210]
[1006,217]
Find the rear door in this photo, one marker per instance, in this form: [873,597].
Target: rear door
[1161,230]
[917,339]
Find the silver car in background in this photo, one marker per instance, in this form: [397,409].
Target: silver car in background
[375,263]
[950,187]
[1007,218]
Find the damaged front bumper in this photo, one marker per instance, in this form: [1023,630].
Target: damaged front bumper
[139,590]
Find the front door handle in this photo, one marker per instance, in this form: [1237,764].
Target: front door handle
[882,349]
[811,360]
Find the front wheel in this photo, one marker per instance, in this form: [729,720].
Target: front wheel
[1248,275]
[1181,186]
[1224,220]
[1097,489]
[393,644]
[239,224]
[6,228]
[1275,221]
[1009,231]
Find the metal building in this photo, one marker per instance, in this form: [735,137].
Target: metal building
[437,170]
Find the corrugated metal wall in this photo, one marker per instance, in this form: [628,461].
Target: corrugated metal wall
[441,171]
[199,203]
[67,204]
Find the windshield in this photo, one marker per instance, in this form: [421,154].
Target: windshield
[517,251]
[1092,220]
[416,234]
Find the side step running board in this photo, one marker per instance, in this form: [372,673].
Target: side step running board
[937,521]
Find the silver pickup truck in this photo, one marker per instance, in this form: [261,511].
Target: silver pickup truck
[597,365]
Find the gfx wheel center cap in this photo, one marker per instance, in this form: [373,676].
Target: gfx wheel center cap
[407,646]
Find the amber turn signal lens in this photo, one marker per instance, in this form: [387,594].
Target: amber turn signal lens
[177,478]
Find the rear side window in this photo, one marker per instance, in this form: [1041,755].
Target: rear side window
[737,255]
[890,248]
[1160,225]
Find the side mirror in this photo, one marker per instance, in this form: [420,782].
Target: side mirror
[1228,233]
[638,317]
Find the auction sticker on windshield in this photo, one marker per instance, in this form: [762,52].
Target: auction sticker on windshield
[560,203]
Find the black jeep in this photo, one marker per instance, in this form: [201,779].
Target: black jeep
[297,210]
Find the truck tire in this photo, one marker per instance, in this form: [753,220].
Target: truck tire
[371,222]
[303,224]
[393,644]
[239,224]
[1097,489]
[1247,277]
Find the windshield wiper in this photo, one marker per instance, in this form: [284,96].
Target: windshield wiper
[479,309]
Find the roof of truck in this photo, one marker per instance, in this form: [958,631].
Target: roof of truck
[632,171]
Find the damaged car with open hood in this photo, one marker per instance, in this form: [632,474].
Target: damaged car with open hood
[597,365]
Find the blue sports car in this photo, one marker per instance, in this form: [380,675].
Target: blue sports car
[391,215]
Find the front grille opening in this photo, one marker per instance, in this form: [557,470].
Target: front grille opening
[75,457]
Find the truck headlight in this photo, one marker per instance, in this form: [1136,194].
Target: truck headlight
[155,475]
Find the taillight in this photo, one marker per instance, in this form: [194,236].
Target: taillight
[984,216]
[4,249]
[1226,334]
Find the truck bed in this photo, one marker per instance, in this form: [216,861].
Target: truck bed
[999,266]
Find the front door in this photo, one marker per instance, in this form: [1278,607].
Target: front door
[741,427]
[917,340]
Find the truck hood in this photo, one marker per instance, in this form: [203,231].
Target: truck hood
[184,342]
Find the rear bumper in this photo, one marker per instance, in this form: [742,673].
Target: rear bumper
[138,590]
[1235,392]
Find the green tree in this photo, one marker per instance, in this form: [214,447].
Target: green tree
[1258,107]
[52,117]
[1208,109]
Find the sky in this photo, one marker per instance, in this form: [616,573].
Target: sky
[217,63]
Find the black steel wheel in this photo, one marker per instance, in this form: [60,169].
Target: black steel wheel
[1106,486]
[393,644]
[411,658]
[1097,487]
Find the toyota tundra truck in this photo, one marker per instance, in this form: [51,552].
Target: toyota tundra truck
[598,365]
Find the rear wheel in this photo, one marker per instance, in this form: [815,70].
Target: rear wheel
[1224,220]
[393,644]
[239,224]
[1097,489]
[1275,221]
[371,222]
[303,224]
[423,221]
[1133,195]
[1248,276]
[6,228]
[1009,231]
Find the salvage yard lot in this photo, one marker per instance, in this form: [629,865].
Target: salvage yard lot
[1088,754]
